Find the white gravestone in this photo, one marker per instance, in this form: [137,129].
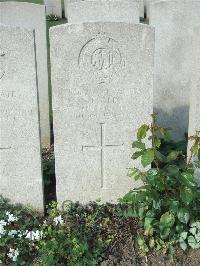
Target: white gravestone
[53,7]
[148,3]
[173,22]
[33,16]
[20,151]
[141,8]
[98,104]
[103,11]
[194,117]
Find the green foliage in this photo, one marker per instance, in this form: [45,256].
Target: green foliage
[169,200]
[78,238]
[15,223]
[191,237]
[72,235]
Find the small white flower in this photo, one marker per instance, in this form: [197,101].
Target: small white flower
[34,235]
[3,223]
[2,230]
[30,236]
[13,254]
[38,235]
[58,220]
[12,233]
[11,217]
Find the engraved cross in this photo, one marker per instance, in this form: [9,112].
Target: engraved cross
[102,147]
[5,148]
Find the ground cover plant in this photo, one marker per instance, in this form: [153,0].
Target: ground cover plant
[160,216]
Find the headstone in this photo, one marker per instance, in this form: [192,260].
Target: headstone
[194,117]
[103,11]
[53,7]
[148,3]
[33,16]
[173,22]
[98,103]
[141,8]
[20,151]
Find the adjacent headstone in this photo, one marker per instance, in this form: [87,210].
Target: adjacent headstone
[142,7]
[194,117]
[20,151]
[33,16]
[98,103]
[53,7]
[174,22]
[103,11]
[147,4]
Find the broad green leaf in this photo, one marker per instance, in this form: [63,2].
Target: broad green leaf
[167,220]
[183,235]
[159,156]
[172,155]
[174,205]
[147,157]
[148,222]
[136,155]
[183,245]
[188,179]
[183,215]
[141,213]
[135,173]
[196,224]
[157,142]
[193,230]
[165,232]
[186,195]
[139,145]
[172,170]
[193,243]
[142,132]
[152,243]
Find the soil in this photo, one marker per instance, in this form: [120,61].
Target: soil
[125,252]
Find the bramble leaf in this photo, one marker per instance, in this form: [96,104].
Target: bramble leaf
[147,157]
[142,132]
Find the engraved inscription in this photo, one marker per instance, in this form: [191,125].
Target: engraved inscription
[102,148]
[101,58]
[7,94]
[2,64]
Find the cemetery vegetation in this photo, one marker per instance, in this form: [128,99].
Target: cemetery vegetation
[160,215]
[168,202]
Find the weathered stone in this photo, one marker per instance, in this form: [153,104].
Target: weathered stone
[147,5]
[194,117]
[20,151]
[53,7]
[173,22]
[103,11]
[98,103]
[141,8]
[33,16]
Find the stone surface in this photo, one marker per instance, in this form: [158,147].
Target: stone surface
[173,22]
[20,151]
[194,117]
[53,7]
[141,8]
[103,11]
[98,103]
[32,16]
[148,3]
